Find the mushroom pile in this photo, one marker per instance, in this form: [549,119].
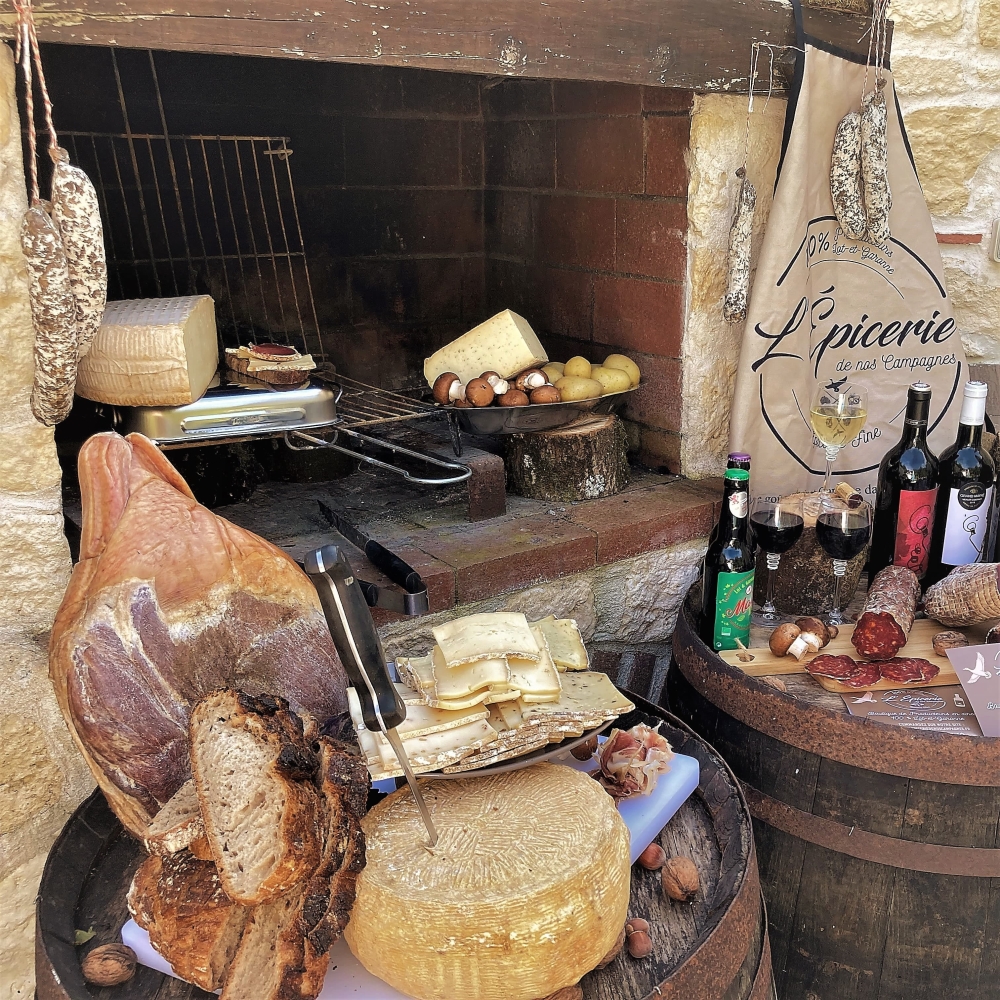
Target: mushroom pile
[803,636]
[531,386]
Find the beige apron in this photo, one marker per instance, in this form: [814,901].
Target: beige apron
[826,308]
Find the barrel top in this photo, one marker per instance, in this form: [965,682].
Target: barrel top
[702,951]
[815,720]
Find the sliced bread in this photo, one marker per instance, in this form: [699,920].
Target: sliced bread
[178,824]
[191,921]
[254,773]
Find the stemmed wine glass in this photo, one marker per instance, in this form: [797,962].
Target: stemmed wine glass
[843,532]
[838,413]
[777,525]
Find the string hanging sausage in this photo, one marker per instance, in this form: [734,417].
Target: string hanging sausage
[734,306]
[845,177]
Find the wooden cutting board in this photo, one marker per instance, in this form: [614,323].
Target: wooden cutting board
[766,664]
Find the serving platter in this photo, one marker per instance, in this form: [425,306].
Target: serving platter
[918,644]
[539,417]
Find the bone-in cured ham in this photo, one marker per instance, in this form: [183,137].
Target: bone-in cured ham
[168,603]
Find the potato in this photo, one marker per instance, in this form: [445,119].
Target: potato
[578,367]
[624,364]
[613,379]
[554,371]
[572,387]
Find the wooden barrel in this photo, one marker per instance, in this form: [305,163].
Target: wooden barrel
[715,948]
[878,846]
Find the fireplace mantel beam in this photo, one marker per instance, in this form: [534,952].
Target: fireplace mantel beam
[701,45]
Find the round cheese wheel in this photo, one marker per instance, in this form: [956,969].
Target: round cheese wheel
[525,891]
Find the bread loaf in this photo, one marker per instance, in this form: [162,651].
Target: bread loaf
[179,901]
[255,779]
[167,604]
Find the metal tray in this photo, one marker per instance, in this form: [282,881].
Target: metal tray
[540,417]
[234,411]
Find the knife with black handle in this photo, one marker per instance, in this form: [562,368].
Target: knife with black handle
[360,650]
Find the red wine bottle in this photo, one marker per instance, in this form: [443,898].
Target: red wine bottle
[907,493]
[965,493]
[727,583]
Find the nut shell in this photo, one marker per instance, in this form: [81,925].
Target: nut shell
[479,392]
[584,751]
[109,965]
[653,858]
[640,944]
[545,394]
[680,880]
[512,397]
[944,641]
[615,949]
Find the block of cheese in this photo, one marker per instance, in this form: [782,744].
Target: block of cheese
[505,344]
[152,352]
[565,644]
[525,892]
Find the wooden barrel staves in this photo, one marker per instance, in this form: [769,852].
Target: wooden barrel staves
[878,846]
[715,948]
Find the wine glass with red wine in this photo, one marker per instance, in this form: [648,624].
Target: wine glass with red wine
[843,532]
[777,525]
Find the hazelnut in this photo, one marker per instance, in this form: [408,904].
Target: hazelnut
[108,965]
[640,944]
[615,949]
[530,379]
[545,394]
[653,858]
[680,879]
[479,392]
[447,388]
[636,924]
[585,750]
[514,397]
[948,640]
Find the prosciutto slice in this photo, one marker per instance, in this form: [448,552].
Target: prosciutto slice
[168,603]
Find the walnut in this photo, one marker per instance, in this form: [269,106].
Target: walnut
[615,949]
[948,640]
[680,879]
[108,965]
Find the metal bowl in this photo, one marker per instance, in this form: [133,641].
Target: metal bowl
[539,417]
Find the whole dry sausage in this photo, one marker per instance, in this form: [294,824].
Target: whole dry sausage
[77,215]
[845,177]
[887,616]
[734,306]
[966,596]
[53,316]
[875,165]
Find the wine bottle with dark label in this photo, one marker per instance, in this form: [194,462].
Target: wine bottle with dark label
[964,509]
[727,583]
[907,493]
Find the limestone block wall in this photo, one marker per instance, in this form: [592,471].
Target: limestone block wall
[42,777]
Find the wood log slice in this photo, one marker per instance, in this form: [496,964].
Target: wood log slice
[582,461]
[803,582]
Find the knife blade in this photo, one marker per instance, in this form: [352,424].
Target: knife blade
[360,649]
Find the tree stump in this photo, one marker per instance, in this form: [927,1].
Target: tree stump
[581,461]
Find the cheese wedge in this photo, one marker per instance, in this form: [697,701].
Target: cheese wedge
[152,352]
[562,635]
[484,636]
[505,343]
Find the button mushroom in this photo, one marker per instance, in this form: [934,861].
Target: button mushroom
[805,635]
[500,385]
[479,392]
[514,397]
[545,394]
[530,379]
[448,388]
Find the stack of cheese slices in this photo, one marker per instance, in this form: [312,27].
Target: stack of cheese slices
[494,687]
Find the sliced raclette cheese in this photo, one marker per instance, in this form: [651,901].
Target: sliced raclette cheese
[420,719]
[505,343]
[436,749]
[152,352]
[586,695]
[537,680]
[477,637]
[526,890]
[565,644]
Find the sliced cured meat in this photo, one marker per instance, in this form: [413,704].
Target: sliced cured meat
[839,668]
[904,670]
[888,613]
[928,670]
[868,675]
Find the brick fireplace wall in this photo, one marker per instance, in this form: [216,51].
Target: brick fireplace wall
[586,220]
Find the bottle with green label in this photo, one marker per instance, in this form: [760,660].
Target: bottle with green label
[727,583]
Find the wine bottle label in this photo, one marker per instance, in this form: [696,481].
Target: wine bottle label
[914,525]
[738,504]
[967,523]
[733,604]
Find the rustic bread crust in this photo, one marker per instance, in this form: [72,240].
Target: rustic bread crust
[177,825]
[292,768]
[190,920]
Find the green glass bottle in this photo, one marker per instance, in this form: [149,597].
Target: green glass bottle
[727,581]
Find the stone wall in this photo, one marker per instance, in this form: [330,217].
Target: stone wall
[946,63]
[42,777]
